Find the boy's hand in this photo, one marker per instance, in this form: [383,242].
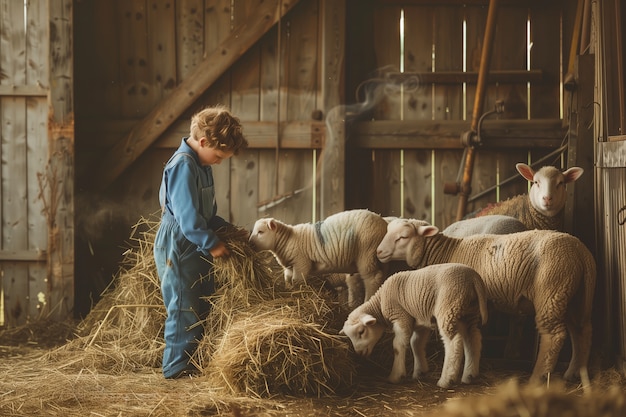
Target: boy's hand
[219,250]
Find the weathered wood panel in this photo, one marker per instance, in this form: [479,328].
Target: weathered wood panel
[36,279]
[36,156]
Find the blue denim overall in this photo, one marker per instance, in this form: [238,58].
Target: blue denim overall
[184,267]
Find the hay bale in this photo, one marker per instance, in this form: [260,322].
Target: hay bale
[267,354]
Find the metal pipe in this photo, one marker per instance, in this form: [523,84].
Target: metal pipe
[481,87]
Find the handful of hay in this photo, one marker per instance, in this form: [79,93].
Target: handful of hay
[260,339]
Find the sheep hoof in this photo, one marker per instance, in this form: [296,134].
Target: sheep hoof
[444,383]
[468,379]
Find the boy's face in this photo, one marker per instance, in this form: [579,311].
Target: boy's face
[211,156]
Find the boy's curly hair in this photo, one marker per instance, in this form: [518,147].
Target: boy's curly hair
[220,127]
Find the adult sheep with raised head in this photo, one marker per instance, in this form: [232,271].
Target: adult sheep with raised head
[344,242]
[407,302]
[548,273]
[543,207]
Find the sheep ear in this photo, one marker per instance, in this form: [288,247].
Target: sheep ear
[427,231]
[573,174]
[271,224]
[368,320]
[525,171]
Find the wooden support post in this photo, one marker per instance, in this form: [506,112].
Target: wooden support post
[580,199]
[60,172]
[332,184]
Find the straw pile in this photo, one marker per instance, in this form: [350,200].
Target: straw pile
[512,399]
[260,339]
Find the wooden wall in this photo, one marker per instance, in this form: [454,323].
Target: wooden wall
[36,152]
[293,87]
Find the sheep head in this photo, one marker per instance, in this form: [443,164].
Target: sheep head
[404,241]
[263,235]
[364,332]
[547,193]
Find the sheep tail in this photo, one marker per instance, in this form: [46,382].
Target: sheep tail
[589,285]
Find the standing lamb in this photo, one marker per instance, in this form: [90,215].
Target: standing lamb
[453,294]
[345,242]
[544,205]
[550,273]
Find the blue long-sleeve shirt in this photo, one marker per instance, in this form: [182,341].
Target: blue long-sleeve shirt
[187,192]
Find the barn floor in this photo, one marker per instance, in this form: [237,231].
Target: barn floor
[31,385]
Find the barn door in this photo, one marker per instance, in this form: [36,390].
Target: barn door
[35,188]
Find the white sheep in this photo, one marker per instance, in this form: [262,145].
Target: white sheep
[543,207]
[496,224]
[499,225]
[548,273]
[452,294]
[344,242]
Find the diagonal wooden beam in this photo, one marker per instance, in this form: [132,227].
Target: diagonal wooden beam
[148,130]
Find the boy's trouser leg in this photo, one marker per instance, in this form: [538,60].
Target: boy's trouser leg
[180,267]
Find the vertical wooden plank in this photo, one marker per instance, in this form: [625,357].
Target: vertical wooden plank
[36,150]
[214,23]
[106,64]
[386,190]
[272,63]
[137,88]
[509,53]
[244,97]
[387,52]
[245,73]
[418,52]
[61,159]
[361,92]
[448,47]
[418,105]
[13,159]
[244,186]
[302,81]
[545,31]
[161,54]
[476,21]
[332,164]
[189,36]
[448,105]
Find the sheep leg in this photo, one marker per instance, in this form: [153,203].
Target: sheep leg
[550,344]
[288,274]
[372,282]
[400,342]
[580,337]
[354,282]
[472,344]
[419,339]
[453,354]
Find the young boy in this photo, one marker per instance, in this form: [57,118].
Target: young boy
[186,237]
